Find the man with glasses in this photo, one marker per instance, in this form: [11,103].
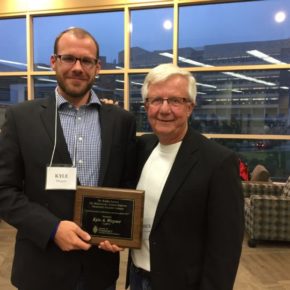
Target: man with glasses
[193,215]
[49,146]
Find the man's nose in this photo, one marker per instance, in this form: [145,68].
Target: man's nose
[78,65]
[165,107]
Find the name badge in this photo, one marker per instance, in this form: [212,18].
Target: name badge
[64,178]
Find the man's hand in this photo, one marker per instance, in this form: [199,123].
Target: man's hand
[69,236]
[107,246]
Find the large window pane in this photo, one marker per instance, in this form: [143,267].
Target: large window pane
[273,154]
[106,27]
[244,102]
[241,33]
[106,87]
[151,35]
[13,45]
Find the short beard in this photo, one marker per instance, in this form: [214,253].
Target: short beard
[74,94]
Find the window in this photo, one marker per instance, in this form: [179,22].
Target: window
[241,33]
[150,38]
[106,27]
[238,51]
[243,102]
[13,45]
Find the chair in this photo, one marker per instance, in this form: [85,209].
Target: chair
[267,211]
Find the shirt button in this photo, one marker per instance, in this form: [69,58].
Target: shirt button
[79,118]
[80,161]
[80,138]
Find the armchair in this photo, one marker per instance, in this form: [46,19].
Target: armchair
[267,211]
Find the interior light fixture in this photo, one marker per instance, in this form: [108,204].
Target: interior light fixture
[136,83]
[43,67]
[13,62]
[264,57]
[46,80]
[236,75]
[206,85]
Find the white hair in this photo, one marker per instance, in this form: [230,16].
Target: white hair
[163,72]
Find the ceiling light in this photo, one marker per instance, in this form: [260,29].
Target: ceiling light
[264,56]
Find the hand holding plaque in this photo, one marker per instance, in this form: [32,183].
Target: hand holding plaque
[111,214]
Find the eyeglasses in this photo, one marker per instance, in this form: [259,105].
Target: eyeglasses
[172,102]
[70,60]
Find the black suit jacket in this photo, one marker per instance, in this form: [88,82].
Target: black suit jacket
[26,144]
[197,232]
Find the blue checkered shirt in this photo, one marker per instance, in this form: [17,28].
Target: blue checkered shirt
[82,132]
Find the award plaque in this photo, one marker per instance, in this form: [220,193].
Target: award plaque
[112,214]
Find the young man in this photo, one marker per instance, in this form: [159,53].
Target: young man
[73,130]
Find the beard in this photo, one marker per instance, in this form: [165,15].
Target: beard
[74,92]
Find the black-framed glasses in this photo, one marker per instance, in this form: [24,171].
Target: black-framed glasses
[70,60]
[172,102]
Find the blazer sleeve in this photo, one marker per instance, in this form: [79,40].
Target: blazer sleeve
[32,220]
[225,226]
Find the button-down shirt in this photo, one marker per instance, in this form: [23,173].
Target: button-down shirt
[82,132]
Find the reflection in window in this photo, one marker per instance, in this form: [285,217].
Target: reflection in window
[13,45]
[106,87]
[2,114]
[261,36]
[110,39]
[136,102]
[244,102]
[273,154]
[110,87]
[44,86]
[13,90]
[149,39]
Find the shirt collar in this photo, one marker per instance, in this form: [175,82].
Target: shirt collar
[60,100]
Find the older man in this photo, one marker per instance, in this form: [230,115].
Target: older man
[193,216]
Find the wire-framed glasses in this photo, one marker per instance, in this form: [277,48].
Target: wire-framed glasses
[172,102]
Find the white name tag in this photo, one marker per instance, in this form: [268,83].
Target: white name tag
[61,178]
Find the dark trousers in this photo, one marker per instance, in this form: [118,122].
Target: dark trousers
[139,279]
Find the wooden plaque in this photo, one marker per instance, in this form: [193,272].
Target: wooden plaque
[112,214]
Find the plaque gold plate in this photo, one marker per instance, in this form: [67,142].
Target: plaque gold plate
[113,214]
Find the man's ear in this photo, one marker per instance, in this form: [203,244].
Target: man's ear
[190,109]
[52,62]
[98,66]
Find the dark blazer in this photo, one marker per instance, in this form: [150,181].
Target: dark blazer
[197,232]
[26,144]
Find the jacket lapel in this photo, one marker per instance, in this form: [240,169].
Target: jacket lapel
[47,116]
[186,159]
